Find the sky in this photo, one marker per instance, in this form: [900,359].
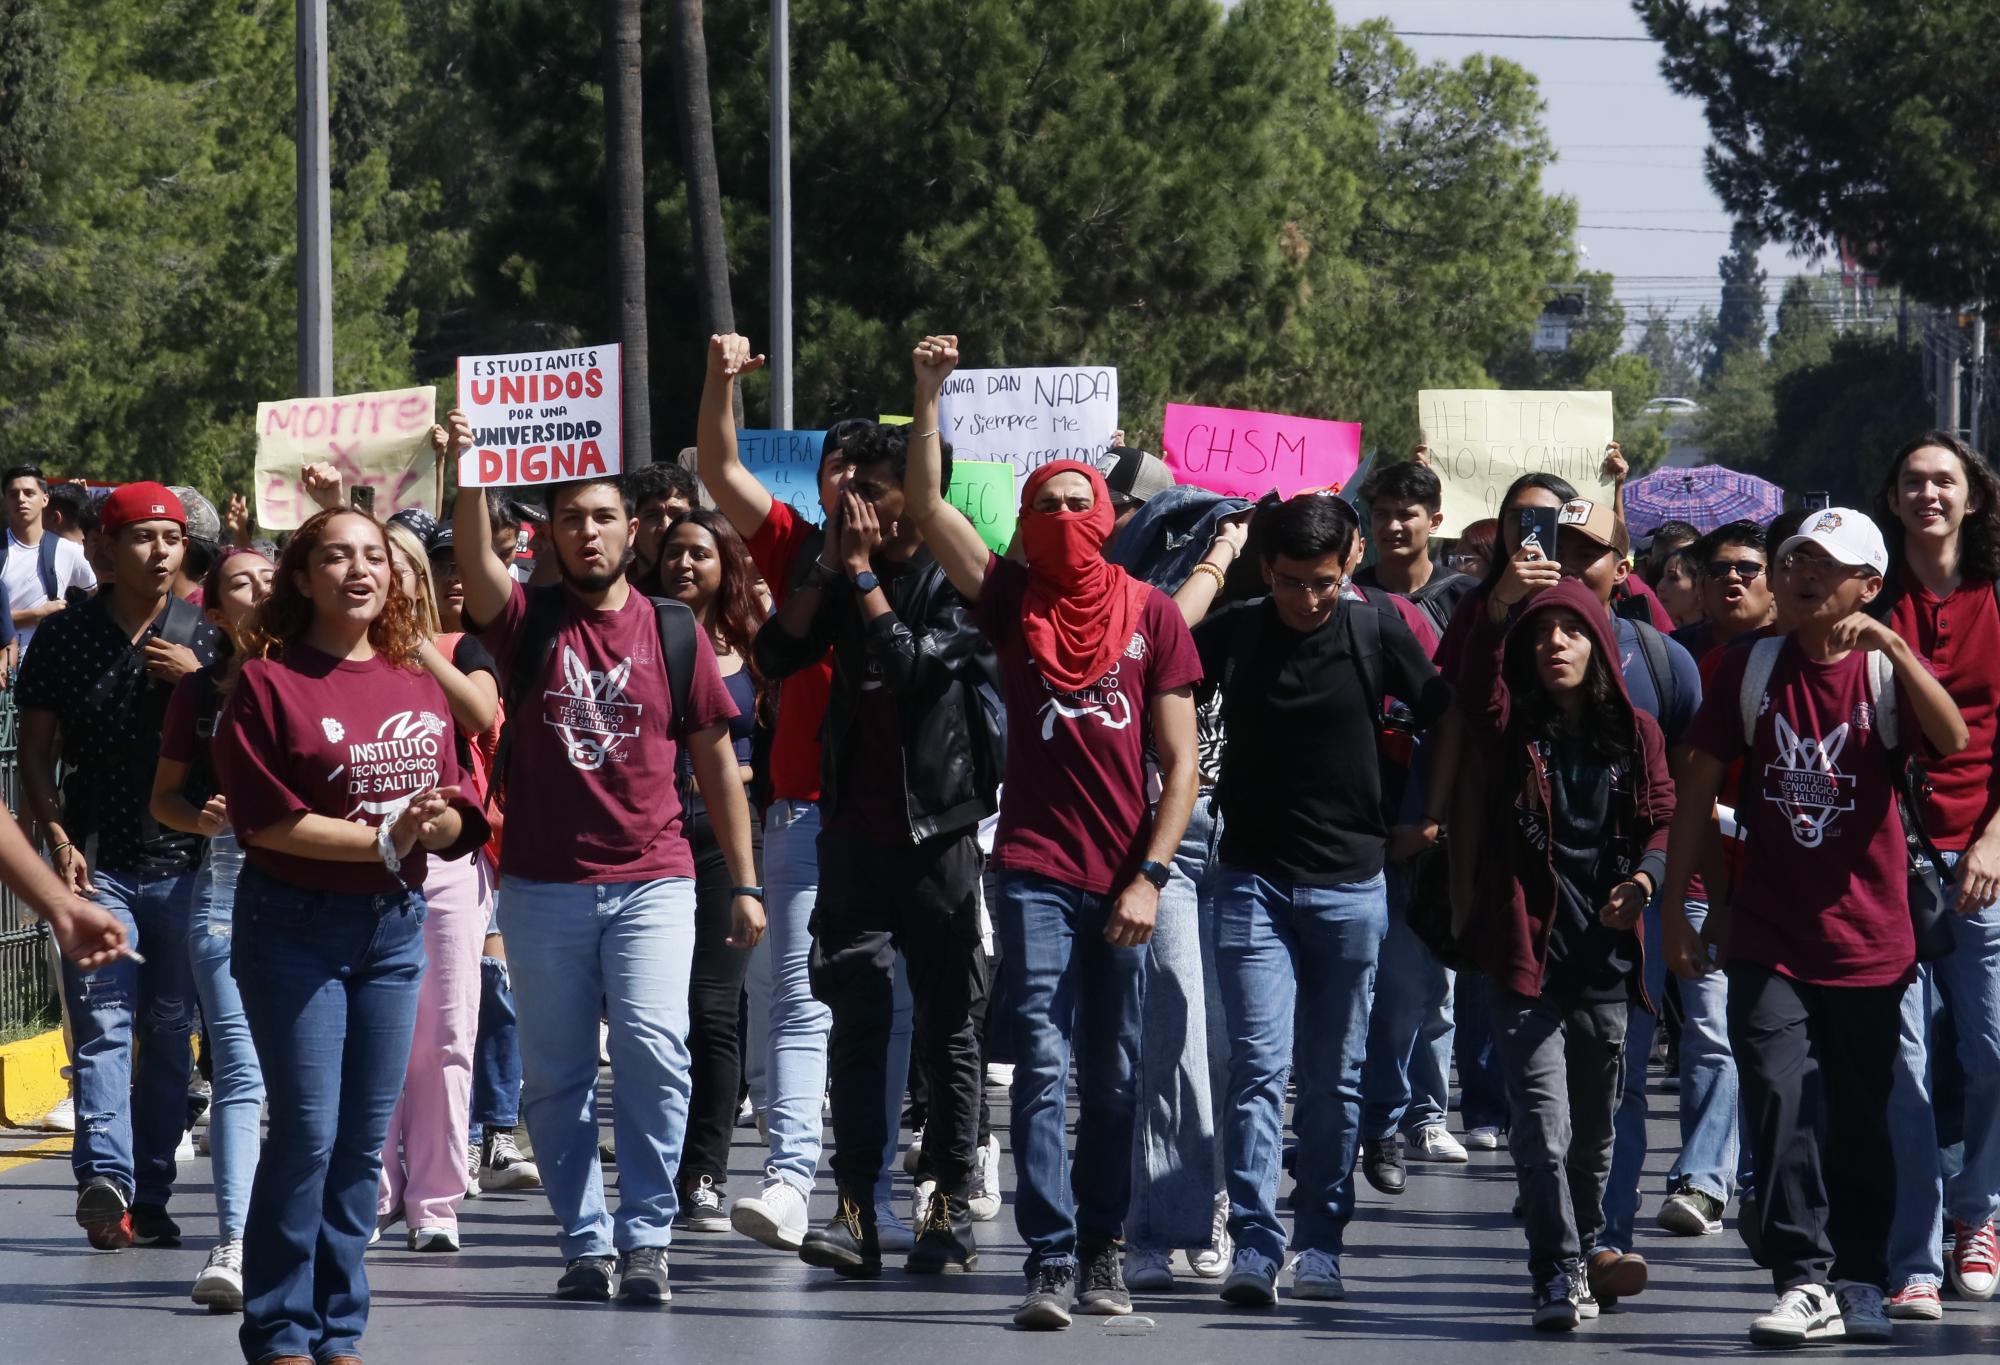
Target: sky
[1629,149]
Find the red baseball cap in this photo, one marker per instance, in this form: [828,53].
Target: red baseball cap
[136,502]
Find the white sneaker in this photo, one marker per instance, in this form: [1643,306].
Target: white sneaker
[1433,1142]
[1316,1275]
[1485,1138]
[775,1215]
[62,1118]
[219,1287]
[1253,1280]
[1148,1272]
[1861,1312]
[1000,1074]
[1211,1261]
[985,1197]
[891,1232]
[185,1151]
[434,1239]
[504,1168]
[1804,1314]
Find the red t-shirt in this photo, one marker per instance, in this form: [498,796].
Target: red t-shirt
[1074,806]
[1824,895]
[316,735]
[1656,610]
[590,780]
[1960,639]
[803,697]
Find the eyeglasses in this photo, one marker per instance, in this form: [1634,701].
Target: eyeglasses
[1749,570]
[1797,562]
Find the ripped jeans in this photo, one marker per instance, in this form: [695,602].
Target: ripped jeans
[129,1122]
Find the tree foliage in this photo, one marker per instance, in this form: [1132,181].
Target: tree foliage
[1677,349]
[1739,319]
[1593,361]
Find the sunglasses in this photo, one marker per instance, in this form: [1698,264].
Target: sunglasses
[1749,570]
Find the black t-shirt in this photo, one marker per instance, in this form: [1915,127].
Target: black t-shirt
[1437,599]
[1301,789]
[1586,960]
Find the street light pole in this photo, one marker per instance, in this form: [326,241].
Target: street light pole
[315,207]
[781,216]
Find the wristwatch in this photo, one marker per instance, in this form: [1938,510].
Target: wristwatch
[865,582]
[1159,874]
[755,893]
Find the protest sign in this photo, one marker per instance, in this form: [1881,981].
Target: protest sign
[1482,440]
[1030,418]
[1247,454]
[376,440]
[541,416]
[786,463]
[984,491]
[890,420]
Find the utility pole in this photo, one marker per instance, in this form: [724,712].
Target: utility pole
[1978,376]
[315,207]
[781,215]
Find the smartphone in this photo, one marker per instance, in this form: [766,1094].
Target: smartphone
[362,498]
[1538,529]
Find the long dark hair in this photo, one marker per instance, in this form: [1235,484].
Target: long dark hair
[1564,490]
[1978,537]
[1603,723]
[287,614]
[737,612]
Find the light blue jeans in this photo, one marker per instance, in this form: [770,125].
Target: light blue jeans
[1714,1158]
[1177,1162]
[1286,952]
[1406,1077]
[235,1113]
[625,948]
[795,1025]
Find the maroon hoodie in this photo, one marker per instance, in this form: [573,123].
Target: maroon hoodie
[1504,895]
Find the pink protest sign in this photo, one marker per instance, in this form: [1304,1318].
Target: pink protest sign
[1247,454]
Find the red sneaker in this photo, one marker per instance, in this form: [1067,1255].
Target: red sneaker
[103,1214]
[1975,1261]
[1915,1303]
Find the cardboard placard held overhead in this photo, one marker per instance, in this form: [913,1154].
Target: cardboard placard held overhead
[1030,418]
[1247,454]
[786,463]
[1482,440]
[542,416]
[376,440]
[984,491]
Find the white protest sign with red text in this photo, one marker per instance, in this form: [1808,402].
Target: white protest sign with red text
[541,416]
[376,440]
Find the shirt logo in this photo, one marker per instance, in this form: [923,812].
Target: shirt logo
[1103,701]
[332,729]
[403,759]
[591,714]
[1806,782]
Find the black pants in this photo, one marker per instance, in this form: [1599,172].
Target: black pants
[917,1112]
[1815,1064]
[874,902]
[1564,1062]
[715,1010]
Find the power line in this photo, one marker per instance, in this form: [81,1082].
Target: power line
[1632,227]
[1526,37]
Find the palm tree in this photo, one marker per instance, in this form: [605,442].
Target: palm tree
[696,125]
[625,190]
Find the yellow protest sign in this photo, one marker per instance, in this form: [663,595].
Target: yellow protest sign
[376,440]
[1481,440]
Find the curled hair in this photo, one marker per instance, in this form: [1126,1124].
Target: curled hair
[287,614]
[403,541]
[737,612]
[1603,723]
[1979,536]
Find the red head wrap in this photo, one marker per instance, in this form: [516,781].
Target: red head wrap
[1079,611]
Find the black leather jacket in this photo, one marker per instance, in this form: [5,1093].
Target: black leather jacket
[932,660]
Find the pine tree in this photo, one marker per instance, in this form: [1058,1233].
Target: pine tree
[1739,321]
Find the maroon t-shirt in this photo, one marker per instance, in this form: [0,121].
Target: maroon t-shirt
[178,741]
[1823,897]
[311,734]
[590,779]
[1074,806]
[1959,637]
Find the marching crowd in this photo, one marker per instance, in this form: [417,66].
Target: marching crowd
[1174,803]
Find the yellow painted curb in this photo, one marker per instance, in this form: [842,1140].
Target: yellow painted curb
[21,1156]
[31,1079]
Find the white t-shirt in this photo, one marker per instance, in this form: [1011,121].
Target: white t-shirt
[23,575]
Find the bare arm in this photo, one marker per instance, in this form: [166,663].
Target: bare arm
[1936,712]
[738,494]
[487,583]
[950,536]
[716,773]
[88,935]
[1138,906]
[1198,593]
[39,742]
[474,697]
[1698,783]
[171,807]
[429,820]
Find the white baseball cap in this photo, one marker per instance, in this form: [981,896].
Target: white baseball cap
[1850,537]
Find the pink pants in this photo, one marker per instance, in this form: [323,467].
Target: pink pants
[430,1119]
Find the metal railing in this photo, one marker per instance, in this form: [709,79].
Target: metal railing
[27,974]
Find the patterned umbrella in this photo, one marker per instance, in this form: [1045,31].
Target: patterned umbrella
[1705,497]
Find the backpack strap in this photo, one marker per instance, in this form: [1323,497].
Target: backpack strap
[1882,691]
[1756,679]
[1366,638]
[46,556]
[1659,667]
[532,651]
[180,621]
[677,648]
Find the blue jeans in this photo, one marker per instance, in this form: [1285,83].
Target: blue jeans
[796,1024]
[1176,1164]
[1284,953]
[627,949]
[1714,1159]
[1072,994]
[329,983]
[1628,1149]
[1406,1074]
[235,1114]
[496,1058]
[129,1122]
[1482,1087]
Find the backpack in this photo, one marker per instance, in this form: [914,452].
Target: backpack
[1659,666]
[1930,917]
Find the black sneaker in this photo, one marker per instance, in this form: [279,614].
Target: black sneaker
[642,1276]
[1382,1164]
[846,1245]
[152,1228]
[1051,1292]
[103,1214]
[1556,1305]
[701,1208]
[944,1238]
[587,1278]
[1103,1277]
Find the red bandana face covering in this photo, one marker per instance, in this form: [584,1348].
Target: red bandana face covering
[1079,610]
